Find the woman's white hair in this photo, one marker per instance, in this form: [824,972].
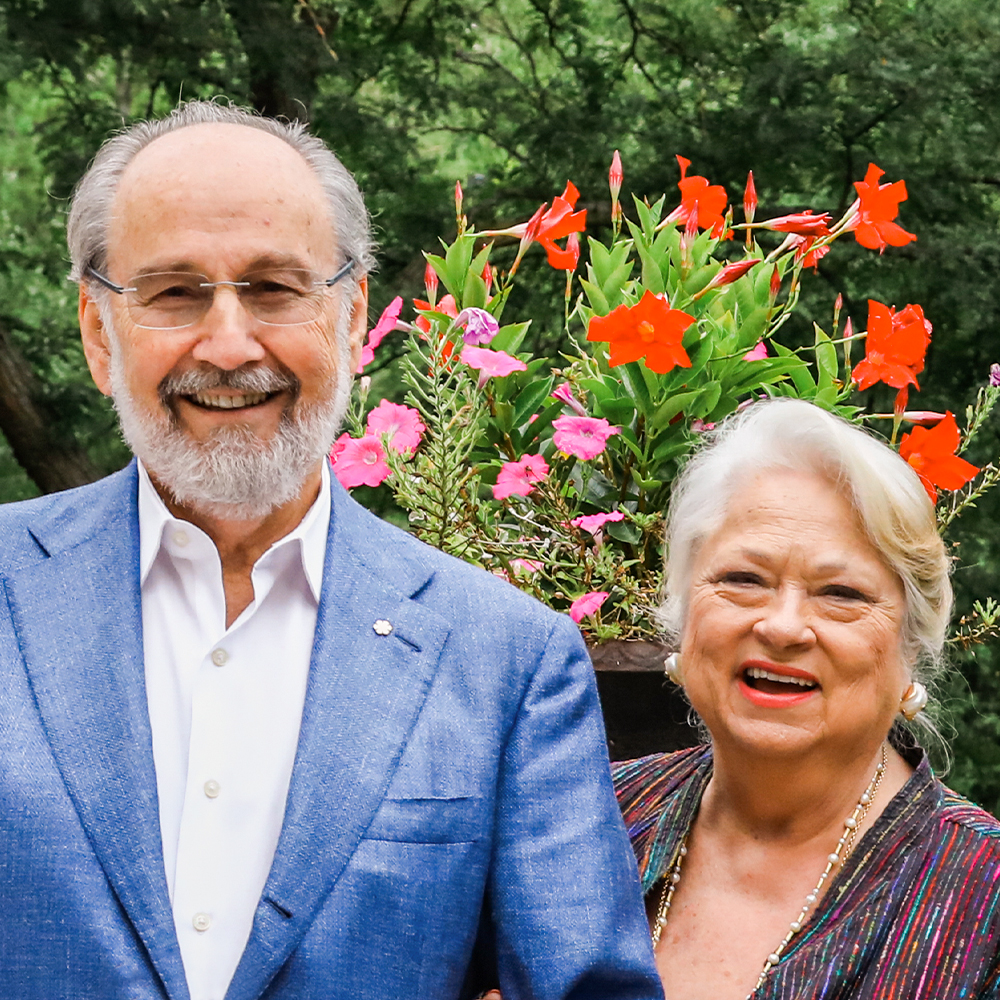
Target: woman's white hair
[90,212]
[891,504]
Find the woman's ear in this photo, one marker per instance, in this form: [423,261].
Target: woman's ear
[96,343]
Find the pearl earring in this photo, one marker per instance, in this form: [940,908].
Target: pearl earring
[914,701]
[672,668]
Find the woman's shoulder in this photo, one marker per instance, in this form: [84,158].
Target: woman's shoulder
[957,811]
[644,783]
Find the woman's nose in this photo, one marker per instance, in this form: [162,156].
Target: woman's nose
[785,620]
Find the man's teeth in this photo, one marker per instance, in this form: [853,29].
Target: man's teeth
[765,675]
[229,402]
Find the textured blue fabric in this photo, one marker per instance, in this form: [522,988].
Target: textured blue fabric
[451,779]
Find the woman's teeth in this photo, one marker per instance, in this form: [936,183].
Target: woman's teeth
[759,673]
[229,402]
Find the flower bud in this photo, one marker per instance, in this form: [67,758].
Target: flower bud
[750,199]
[615,176]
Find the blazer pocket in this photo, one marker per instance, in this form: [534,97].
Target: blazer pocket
[431,821]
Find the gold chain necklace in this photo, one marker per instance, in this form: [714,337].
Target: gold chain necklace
[839,854]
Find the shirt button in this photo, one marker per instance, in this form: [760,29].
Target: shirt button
[212,789]
[219,657]
[202,922]
[181,538]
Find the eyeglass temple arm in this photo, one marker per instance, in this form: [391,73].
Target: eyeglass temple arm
[107,282]
[342,273]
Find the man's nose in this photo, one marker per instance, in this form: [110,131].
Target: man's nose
[227,332]
[785,620]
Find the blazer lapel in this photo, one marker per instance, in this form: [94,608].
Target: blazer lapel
[77,615]
[365,692]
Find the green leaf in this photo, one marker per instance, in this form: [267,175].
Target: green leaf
[474,292]
[624,531]
[531,395]
[635,383]
[800,374]
[598,300]
[457,260]
[826,358]
[677,403]
[707,400]
[509,338]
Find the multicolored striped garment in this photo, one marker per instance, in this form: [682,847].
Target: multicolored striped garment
[914,914]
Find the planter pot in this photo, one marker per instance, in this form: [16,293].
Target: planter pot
[643,712]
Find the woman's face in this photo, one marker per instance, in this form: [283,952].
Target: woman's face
[793,633]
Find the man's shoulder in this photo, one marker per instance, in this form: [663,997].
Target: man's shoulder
[31,529]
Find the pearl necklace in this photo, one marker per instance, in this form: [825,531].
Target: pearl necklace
[840,853]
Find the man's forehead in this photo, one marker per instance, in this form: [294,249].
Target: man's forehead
[201,153]
[221,179]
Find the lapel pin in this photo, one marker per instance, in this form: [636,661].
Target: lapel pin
[382,627]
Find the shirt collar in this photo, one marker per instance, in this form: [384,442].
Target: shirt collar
[310,534]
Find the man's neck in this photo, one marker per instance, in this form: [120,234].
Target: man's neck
[241,543]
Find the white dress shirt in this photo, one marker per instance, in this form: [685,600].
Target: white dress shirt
[225,706]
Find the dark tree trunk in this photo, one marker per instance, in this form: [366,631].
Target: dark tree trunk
[643,712]
[26,423]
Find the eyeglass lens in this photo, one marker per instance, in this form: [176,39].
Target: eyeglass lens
[172,300]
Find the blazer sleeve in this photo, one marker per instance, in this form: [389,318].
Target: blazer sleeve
[566,904]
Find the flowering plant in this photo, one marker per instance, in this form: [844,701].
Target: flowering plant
[555,472]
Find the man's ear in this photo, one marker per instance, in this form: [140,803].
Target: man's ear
[359,322]
[96,346]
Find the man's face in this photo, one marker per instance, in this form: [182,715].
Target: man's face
[223,200]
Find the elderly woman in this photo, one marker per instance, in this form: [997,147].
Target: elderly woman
[808,851]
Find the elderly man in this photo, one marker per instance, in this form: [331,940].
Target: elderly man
[256,742]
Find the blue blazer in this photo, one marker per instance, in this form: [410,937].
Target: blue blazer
[450,786]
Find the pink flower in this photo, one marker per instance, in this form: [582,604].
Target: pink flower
[995,375]
[584,437]
[338,446]
[757,354]
[361,462]
[587,605]
[700,426]
[594,522]
[480,326]
[401,423]
[386,324]
[519,478]
[525,565]
[497,363]
[565,395]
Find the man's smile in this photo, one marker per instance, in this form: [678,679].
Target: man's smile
[217,401]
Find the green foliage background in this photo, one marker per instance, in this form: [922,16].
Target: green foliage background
[512,97]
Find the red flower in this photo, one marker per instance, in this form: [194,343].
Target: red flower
[802,223]
[446,306]
[894,348]
[702,204]
[430,280]
[649,329]
[878,205]
[809,255]
[931,453]
[560,220]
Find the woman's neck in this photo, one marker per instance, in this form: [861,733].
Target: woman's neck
[794,799]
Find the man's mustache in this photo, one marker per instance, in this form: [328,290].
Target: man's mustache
[243,379]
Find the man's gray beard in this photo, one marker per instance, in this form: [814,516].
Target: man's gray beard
[233,474]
